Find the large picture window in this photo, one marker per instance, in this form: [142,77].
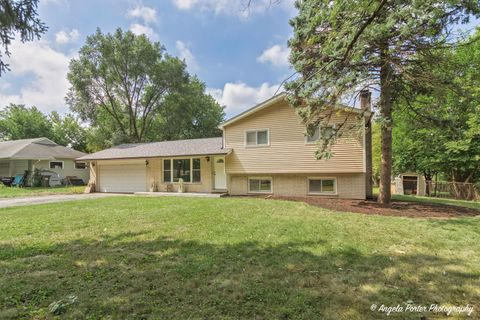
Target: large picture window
[181,169]
[255,138]
[187,169]
[260,185]
[322,186]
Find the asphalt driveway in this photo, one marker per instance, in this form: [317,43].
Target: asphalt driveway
[28,201]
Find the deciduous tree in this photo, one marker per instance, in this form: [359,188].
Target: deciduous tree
[124,77]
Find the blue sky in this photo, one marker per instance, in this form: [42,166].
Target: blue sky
[241,55]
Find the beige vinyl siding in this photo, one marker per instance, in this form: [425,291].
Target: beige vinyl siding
[288,151]
[349,186]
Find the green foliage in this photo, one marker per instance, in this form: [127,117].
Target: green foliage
[130,90]
[124,76]
[18,17]
[438,131]
[68,131]
[36,178]
[20,122]
[187,114]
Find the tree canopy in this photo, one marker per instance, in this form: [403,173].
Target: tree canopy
[20,122]
[130,89]
[342,47]
[18,17]
[438,131]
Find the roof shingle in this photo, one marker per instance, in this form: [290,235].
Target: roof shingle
[191,147]
[39,148]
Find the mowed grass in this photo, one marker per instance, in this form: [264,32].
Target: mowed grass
[229,258]
[453,202]
[14,192]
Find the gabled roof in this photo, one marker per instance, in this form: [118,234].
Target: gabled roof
[272,101]
[265,104]
[36,149]
[191,147]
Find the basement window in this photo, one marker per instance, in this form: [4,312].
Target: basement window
[322,186]
[260,185]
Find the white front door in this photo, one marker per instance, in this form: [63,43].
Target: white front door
[219,172]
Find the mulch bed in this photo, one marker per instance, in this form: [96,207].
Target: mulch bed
[396,208]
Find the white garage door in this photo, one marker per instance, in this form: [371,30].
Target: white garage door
[130,177]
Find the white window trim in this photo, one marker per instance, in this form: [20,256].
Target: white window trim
[256,137]
[50,167]
[260,191]
[333,125]
[323,193]
[75,165]
[171,170]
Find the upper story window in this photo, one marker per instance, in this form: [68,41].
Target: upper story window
[328,132]
[255,138]
[56,164]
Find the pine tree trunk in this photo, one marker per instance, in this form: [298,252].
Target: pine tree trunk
[385,105]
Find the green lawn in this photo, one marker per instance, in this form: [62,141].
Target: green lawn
[229,258]
[453,202]
[14,192]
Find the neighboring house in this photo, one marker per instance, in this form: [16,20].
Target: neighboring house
[18,156]
[263,150]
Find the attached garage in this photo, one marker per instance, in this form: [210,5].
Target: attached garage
[122,177]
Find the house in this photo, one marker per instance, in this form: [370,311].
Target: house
[18,156]
[263,150]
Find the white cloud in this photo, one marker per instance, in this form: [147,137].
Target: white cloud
[237,8]
[139,29]
[146,13]
[49,82]
[238,97]
[276,55]
[185,54]
[64,37]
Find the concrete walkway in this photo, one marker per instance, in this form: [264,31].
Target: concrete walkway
[180,194]
[28,201]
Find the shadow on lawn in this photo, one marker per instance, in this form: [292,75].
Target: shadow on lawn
[128,278]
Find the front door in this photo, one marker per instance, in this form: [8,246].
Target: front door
[219,172]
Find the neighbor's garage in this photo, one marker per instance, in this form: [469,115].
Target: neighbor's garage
[122,177]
